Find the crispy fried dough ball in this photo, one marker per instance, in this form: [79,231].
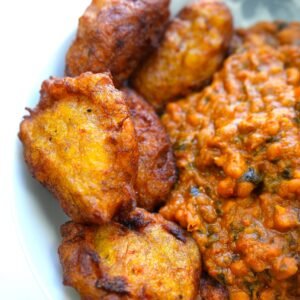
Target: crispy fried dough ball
[145,257]
[192,49]
[156,168]
[80,143]
[116,35]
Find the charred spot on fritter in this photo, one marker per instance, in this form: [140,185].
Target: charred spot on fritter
[116,284]
[135,221]
[176,231]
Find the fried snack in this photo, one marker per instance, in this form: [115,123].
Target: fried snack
[116,35]
[192,49]
[237,148]
[210,289]
[80,143]
[156,168]
[145,257]
[274,34]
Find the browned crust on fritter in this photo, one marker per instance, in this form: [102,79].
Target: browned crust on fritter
[116,35]
[156,168]
[89,274]
[138,219]
[78,257]
[61,146]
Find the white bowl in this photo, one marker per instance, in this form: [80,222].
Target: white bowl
[45,31]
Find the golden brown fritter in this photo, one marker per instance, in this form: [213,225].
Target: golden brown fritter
[144,257]
[80,143]
[192,49]
[156,167]
[116,35]
[237,148]
[210,289]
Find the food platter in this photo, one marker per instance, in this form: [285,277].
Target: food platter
[37,217]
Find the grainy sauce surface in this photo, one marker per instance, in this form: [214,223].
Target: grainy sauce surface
[237,145]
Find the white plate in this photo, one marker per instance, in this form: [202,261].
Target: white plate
[37,34]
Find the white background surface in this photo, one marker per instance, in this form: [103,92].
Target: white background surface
[34,36]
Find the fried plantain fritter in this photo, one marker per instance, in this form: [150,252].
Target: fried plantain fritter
[80,143]
[116,35]
[156,167]
[237,148]
[193,48]
[144,257]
